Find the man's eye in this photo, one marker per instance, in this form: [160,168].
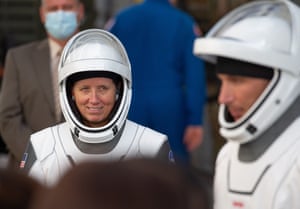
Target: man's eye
[236,80]
[68,7]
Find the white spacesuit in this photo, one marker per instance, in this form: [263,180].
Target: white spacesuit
[54,150]
[259,166]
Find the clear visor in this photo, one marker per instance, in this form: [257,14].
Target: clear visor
[94,50]
[255,10]
[91,46]
[260,32]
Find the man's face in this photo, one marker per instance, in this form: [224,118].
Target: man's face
[239,93]
[66,5]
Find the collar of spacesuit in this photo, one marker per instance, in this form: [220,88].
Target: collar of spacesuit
[251,151]
[98,148]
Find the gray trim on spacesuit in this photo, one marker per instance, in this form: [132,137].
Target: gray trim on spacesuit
[29,158]
[98,148]
[251,151]
[164,153]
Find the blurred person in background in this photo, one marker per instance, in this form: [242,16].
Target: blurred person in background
[29,101]
[17,190]
[132,184]
[169,92]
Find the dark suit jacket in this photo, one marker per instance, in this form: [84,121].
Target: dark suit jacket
[26,101]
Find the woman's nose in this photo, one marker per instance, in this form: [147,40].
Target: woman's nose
[94,97]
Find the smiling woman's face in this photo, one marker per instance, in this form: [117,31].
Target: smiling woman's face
[95,99]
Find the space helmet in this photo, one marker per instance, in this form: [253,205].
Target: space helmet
[90,53]
[263,33]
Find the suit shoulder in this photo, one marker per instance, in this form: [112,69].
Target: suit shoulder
[226,151]
[147,132]
[155,133]
[43,142]
[28,46]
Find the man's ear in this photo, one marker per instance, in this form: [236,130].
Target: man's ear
[80,12]
[42,14]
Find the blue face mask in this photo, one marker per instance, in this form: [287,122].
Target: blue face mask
[61,24]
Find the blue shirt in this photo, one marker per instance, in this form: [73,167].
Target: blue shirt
[169,90]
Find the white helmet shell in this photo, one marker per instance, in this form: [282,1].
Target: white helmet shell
[95,50]
[265,33]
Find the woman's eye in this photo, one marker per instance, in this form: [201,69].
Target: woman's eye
[103,88]
[84,89]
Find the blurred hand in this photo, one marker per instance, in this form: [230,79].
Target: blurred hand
[193,137]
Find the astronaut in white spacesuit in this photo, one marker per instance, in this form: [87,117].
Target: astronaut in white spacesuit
[256,49]
[95,95]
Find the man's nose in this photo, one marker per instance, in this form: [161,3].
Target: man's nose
[225,94]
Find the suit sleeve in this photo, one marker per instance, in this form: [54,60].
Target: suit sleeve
[13,129]
[29,159]
[165,153]
[31,165]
